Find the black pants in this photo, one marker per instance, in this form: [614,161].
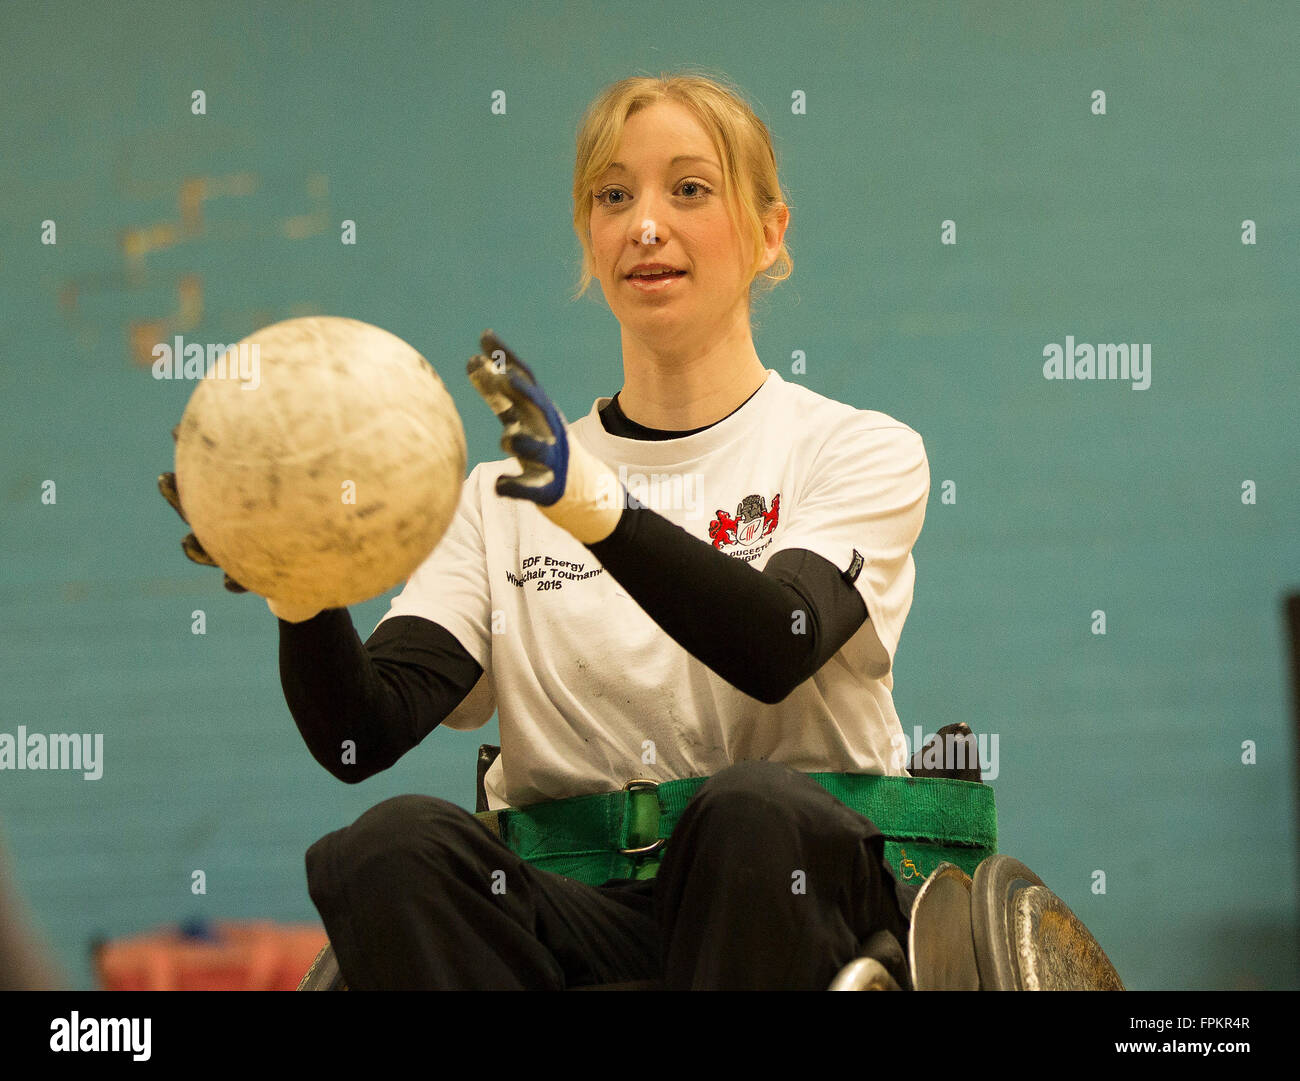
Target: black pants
[768,882]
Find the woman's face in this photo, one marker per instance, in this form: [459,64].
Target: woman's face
[663,203]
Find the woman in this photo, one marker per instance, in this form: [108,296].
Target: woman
[706,576]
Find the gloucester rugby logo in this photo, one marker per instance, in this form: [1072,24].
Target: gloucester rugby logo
[753,522]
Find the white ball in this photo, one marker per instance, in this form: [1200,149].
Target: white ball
[324,466]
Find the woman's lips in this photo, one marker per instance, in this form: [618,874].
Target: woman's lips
[656,284]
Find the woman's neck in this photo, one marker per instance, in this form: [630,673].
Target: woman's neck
[683,389]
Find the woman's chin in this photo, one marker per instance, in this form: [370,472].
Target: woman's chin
[662,324]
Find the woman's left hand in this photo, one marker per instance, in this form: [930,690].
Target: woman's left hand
[575,490]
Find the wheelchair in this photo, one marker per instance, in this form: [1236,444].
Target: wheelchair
[981,920]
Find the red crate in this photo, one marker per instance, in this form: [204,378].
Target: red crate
[221,956]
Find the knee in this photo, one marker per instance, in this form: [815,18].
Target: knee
[750,779]
[382,847]
[749,792]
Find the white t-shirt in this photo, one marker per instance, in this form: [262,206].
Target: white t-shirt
[591,692]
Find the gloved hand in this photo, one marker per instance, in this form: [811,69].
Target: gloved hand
[195,551]
[574,489]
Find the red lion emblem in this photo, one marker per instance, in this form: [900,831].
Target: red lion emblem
[722,530]
[753,521]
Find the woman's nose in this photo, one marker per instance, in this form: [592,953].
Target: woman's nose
[649,225]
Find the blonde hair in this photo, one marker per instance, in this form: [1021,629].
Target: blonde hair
[751,188]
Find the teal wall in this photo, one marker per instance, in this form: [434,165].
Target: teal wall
[1119,753]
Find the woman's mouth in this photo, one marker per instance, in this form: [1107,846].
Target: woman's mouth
[655,283]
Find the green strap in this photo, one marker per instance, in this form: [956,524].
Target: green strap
[925,820]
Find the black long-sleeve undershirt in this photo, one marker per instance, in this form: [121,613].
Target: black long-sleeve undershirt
[782,624]
[389,693]
[384,696]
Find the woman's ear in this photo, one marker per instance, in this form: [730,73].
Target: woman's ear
[774,227]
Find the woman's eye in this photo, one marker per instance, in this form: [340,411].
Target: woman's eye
[606,195]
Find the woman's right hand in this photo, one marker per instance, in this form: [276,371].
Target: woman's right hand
[195,551]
